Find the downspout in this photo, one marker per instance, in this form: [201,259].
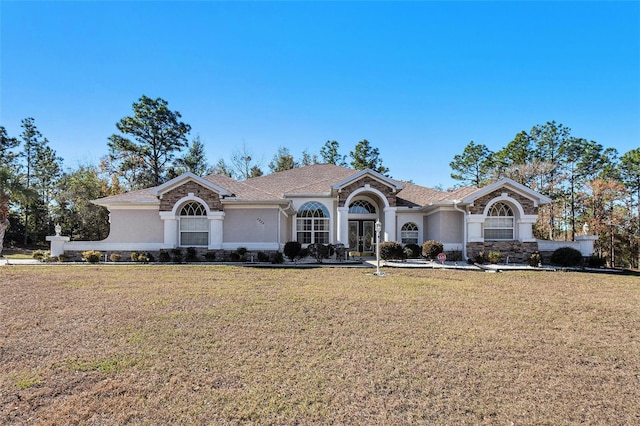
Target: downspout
[464,228]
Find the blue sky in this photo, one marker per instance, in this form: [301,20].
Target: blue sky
[419,80]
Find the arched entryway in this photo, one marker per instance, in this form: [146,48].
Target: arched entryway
[363,214]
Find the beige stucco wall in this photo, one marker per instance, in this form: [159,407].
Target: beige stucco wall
[135,226]
[251,225]
[444,226]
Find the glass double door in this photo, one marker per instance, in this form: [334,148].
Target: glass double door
[361,235]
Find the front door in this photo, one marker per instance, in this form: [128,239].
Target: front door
[361,235]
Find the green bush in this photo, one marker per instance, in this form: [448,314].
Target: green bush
[480,257]
[596,261]
[142,257]
[494,257]
[391,250]
[242,251]
[566,256]
[114,257]
[234,256]
[431,249]
[176,254]
[164,256]
[192,254]
[91,256]
[319,251]
[63,257]
[210,256]
[292,249]
[40,255]
[263,257]
[535,259]
[303,253]
[412,251]
[150,257]
[135,256]
[277,258]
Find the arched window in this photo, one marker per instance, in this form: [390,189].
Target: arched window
[499,224]
[194,225]
[361,207]
[312,224]
[409,233]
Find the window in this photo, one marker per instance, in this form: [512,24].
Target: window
[409,233]
[499,223]
[194,225]
[312,224]
[361,207]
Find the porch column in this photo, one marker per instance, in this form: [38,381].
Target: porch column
[216,229]
[170,229]
[343,226]
[390,224]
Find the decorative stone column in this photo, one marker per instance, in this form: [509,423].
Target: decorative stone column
[216,229]
[170,229]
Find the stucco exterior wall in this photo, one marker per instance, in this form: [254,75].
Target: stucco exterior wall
[170,198]
[433,226]
[135,226]
[251,225]
[417,218]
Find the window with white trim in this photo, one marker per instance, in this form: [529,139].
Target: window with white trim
[499,224]
[409,233]
[194,225]
[312,224]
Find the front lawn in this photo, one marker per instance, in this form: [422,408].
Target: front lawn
[166,344]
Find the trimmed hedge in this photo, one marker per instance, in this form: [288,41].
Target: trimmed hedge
[431,249]
[566,256]
[391,250]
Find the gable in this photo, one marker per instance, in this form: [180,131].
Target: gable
[171,197]
[529,199]
[368,176]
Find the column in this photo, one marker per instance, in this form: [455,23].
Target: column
[389,224]
[170,229]
[216,229]
[343,226]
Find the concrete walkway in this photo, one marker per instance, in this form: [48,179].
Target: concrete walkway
[6,261]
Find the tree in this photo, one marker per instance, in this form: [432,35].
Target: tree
[282,161]
[157,136]
[366,157]
[330,155]
[9,182]
[222,168]
[244,164]
[473,166]
[47,170]
[308,159]
[194,160]
[74,211]
[630,171]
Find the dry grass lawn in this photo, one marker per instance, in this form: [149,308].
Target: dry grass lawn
[227,345]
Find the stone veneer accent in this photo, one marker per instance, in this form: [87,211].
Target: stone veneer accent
[517,251]
[373,183]
[170,198]
[481,203]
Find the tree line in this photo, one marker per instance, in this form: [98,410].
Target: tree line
[151,146]
[587,183]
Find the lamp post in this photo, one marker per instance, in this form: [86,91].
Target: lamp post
[378,229]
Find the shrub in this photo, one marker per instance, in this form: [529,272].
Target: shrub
[192,254]
[91,256]
[535,259]
[391,250]
[303,253]
[277,258]
[412,251]
[164,256]
[176,254]
[263,257]
[40,255]
[494,256]
[242,251]
[63,257]
[150,257]
[114,257]
[596,261]
[234,256]
[135,256]
[210,256]
[431,249]
[480,257]
[566,256]
[455,256]
[319,251]
[292,249]
[142,257]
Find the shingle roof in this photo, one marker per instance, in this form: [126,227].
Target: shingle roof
[313,179]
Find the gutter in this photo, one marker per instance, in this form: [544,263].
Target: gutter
[464,228]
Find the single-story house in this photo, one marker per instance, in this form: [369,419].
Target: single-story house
[320,203]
